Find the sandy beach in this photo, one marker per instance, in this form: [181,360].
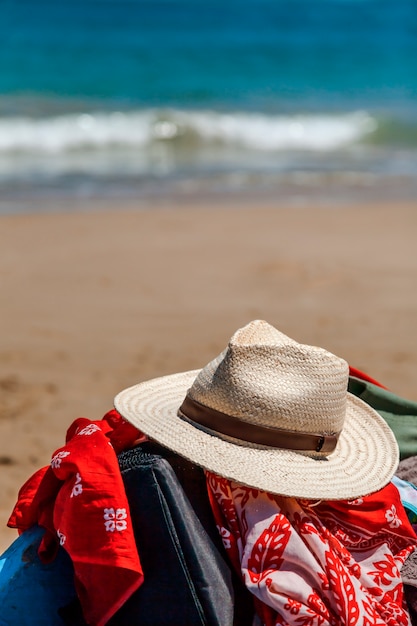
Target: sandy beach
[93,301]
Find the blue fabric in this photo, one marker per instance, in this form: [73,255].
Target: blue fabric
[408,495]
[32,592]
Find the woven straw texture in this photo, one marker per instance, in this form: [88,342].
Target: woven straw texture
[267,379]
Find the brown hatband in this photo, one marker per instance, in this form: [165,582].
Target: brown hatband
[263,435]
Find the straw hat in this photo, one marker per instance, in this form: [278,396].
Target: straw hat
[272,414]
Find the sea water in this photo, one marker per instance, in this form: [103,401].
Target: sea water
[150,97]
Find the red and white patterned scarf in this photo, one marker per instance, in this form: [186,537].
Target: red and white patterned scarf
[317,564]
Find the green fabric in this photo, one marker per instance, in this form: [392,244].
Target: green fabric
[400,414]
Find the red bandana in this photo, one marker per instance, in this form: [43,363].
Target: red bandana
[81,502]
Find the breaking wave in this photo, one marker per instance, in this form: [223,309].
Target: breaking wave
[192,130]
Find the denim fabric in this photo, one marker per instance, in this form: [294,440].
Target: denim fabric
[187,579]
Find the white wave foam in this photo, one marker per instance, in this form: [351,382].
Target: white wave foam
[194,129]
[270,133]
[71,132]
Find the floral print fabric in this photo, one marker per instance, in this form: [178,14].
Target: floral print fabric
[317,564]
[81,502]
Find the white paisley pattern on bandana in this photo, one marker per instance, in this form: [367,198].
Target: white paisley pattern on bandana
[115,519]
[62,538]
[57,459]
[77,488]
[89,430]
[392,517]
[331,564]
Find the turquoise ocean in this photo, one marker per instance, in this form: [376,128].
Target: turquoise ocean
[148,98]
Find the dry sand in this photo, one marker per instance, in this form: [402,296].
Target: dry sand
[94,301]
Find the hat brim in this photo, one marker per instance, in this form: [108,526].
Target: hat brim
[363,462]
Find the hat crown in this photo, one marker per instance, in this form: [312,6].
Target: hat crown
[267,379]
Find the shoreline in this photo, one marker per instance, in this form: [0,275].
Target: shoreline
[103,295]
[299,190]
